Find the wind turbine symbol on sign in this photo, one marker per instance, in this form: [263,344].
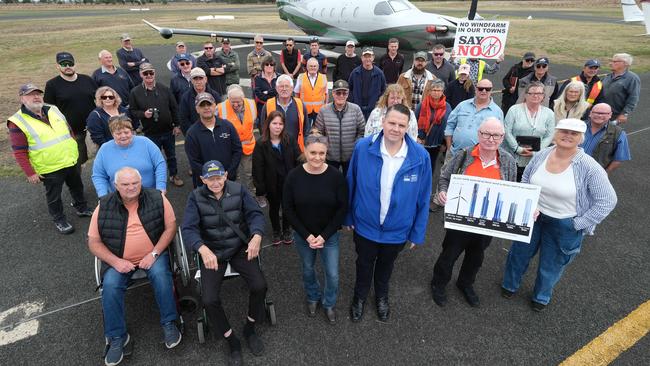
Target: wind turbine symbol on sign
[458,198]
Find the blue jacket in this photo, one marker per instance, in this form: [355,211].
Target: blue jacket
[376,89]
[187,113]
[409,202]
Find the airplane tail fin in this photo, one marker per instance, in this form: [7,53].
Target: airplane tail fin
[631,11]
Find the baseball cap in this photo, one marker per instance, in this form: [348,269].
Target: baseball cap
[592,62]
[528,55]
[350,43]
[463,69]
[180,43]
[367,50]
[340,84]
[146,66]
[420,54]
[125,37]
[64,56]
[28,88]
[197,71]
[202,97]
[542,61]
[184,56]
[225,40]
[213,168]
[572,124]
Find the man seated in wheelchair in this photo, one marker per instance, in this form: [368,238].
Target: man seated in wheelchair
[224,224]
[129,230]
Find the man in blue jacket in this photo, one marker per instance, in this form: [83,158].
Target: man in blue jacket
[395,168]
[367,83]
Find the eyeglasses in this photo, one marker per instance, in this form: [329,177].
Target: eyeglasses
[109,97]
[208,48]
[148,73]
[341,92]
[594,67]
[601,113]
[66,63]
[530,60]
[541,66]
[535,93]
[197,78]
[439,54]
[483,88]
[268,64]
[289,44]
[259,42]
[613,61]
[493,136]
[183,63]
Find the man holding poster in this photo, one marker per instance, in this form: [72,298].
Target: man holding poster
[487,160]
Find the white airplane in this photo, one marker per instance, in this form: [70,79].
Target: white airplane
[631,11]
[368,22]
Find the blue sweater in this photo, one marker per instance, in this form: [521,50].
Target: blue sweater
[408,213]
[142,155]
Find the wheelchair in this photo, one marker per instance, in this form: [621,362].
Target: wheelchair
[139,279]
[183,263]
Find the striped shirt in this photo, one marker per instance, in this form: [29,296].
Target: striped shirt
[595,196]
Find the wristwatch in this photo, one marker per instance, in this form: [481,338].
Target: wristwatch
[155,254]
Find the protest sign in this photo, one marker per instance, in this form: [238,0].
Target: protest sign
[480,39]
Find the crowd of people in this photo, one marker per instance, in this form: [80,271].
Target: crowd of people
[362,157]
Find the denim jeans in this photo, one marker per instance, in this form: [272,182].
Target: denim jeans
[329,256]
[558,243]
[167,142]
[114,285]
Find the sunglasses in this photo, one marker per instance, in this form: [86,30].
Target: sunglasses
[530,60]
[208,48]
[258,42]
[66,63]
[341,92]
[289,44]
[482,88]
[197,78]
[148,73]
[267,64]
[183,63]
[439,54]
[311,139]
[542,66]
[594,67]
[109,97]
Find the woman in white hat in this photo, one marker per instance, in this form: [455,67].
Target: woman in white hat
[576,196]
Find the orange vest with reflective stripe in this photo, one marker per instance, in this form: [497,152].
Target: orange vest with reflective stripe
[244,128]
[594,92]
[270,107]
[313,96]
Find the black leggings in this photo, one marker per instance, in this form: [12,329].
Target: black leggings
[211,290]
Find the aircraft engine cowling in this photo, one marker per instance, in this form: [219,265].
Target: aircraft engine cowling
[166,33]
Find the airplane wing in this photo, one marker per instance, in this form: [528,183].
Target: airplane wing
[169,32]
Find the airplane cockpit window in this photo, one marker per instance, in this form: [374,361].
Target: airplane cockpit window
[382,8]
[398,5]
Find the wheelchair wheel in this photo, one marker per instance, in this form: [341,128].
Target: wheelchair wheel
[200,328]
[181,260]
[270,310]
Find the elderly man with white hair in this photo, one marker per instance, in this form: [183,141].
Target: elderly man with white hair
[622,87]
[110,75]
[294,110]
[488,160]
[242,113]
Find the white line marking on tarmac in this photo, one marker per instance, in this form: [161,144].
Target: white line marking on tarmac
[21,331]
[637,131]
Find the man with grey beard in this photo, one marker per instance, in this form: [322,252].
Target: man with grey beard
[44,147]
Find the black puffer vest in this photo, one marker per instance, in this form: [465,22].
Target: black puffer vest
[215,232]
[113,217]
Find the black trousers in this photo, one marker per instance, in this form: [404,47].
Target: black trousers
[374,261]
[433,154]
[343,165]
[275,204]
[520,172]
[53,183]
[211,290]
[453,245]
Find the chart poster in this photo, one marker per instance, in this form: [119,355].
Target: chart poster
[491,207]
[484,39]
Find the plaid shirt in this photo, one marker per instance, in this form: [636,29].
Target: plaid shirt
[418,88]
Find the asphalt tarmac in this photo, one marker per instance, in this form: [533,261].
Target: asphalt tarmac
[608,280]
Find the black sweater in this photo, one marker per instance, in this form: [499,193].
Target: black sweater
[315,204]
[161,98]
[271,167]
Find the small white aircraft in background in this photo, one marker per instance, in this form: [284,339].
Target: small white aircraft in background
[368,22]
[631,12]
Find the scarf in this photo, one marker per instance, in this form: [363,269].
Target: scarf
[439,108]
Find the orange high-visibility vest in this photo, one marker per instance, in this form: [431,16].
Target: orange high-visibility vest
[244,128]
[270,107]
[313,96]
[594,92]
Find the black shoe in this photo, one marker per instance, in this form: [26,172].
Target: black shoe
[276,239]
[439,295]
[507,293]
[255,344]
[537,307]
[311,308]
[235,358]
[383,309]
[330,314]
[64,226]
[83,211]
[470,296]
[356,309]
[287,237]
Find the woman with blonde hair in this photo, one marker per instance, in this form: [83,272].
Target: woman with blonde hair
[108,104]
[394,94]
[571,103]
